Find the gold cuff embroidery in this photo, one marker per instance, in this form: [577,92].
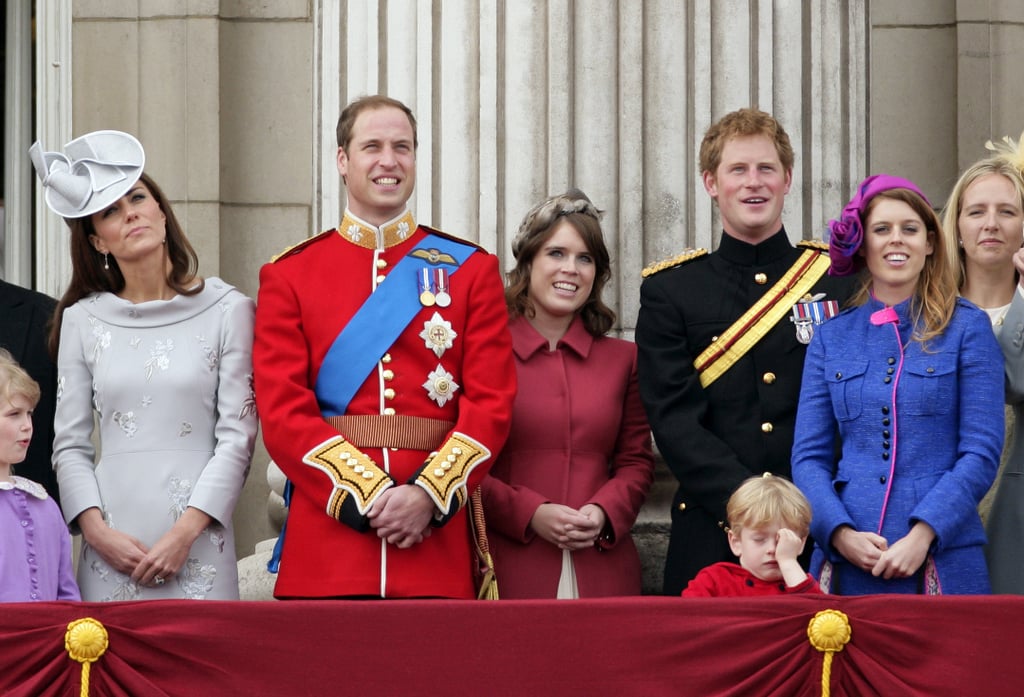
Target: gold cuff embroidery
[352,472]
[445,475]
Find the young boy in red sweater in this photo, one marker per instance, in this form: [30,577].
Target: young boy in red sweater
[769,519]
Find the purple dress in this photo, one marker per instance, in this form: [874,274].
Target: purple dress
[35,549]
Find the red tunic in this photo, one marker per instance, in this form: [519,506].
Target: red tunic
[579,435]
[728,580]
[306,298]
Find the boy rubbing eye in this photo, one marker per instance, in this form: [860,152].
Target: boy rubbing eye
[769,519]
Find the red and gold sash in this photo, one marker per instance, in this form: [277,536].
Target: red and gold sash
[756,322]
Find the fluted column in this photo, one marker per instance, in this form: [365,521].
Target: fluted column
[519,100]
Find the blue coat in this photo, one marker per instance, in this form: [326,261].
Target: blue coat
[933,457]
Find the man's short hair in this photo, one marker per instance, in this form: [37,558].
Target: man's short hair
[767,499]
[738,124]
[347,120]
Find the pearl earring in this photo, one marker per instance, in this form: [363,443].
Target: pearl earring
[106,262]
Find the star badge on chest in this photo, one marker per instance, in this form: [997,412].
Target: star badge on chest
[438,335]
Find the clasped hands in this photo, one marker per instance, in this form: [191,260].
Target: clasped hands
[568,528]
[872,553]
[401,515]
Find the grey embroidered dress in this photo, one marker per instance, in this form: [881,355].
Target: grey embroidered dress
[171,383]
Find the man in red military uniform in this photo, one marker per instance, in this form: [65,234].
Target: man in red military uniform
[384,381]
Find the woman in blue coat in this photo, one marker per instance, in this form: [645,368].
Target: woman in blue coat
[910,381]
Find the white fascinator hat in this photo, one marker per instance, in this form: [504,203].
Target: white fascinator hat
[93,171]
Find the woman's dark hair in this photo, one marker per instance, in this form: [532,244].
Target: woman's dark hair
[88,274]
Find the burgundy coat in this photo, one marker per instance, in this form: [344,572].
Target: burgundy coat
[579,435]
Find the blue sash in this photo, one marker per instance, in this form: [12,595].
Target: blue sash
[368,335]
[379,323]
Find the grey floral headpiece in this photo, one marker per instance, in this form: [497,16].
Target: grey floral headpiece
[543,215]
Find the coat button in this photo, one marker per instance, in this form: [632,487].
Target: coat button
[389,411]
[389,393]
[881,480]
[380,278]
[767,427]
[885,410]
[682,507]
[760,279]
[386,358]
[388,374]
[382,263]
[768,378]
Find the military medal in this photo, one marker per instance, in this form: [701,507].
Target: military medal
[427,298]
[810,313]
[441,284]
[440,385]
[438,334]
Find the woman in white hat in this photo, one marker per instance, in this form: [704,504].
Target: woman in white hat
[163,359]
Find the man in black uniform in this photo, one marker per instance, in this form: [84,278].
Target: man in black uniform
[720,360]
[24,317]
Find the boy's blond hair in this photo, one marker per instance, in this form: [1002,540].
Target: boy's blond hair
[763,500]
[15,381]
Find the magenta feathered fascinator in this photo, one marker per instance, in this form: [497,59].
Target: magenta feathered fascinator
[846,234]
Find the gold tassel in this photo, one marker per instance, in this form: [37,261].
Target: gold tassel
[828,631]
[85,641]
[488,582]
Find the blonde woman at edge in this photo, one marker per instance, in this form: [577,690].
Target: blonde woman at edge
[983,224]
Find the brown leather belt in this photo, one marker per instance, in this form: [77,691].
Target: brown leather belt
[407,432]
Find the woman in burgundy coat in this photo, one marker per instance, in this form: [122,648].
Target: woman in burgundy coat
[567,487]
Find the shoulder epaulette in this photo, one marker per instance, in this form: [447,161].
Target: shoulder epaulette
[445,235]
[820,245]
[301,245]
[685,256]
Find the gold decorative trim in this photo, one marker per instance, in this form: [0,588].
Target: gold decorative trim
[445,475]
[685,256]
[352,472]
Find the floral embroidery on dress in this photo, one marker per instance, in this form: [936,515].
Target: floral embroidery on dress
[212,357]
[126,421]
[102,336]
[216,534]
[126,589]
[135,341]
[158,357]
[146,400]
[180,492]
[60,387]
[196,579]
[249,403]
[184,429]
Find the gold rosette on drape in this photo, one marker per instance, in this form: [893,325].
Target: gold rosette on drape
[85,641]
[828,631]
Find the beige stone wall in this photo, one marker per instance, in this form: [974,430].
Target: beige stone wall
[944,78]
[611,96]
[220,94]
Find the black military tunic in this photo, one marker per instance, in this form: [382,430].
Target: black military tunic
[740,425]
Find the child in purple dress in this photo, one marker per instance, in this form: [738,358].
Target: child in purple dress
[35,548]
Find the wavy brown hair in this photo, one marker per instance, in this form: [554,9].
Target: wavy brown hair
[935,294]
[88,275]
[536,229]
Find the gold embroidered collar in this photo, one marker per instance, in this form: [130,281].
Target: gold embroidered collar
[387,235]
